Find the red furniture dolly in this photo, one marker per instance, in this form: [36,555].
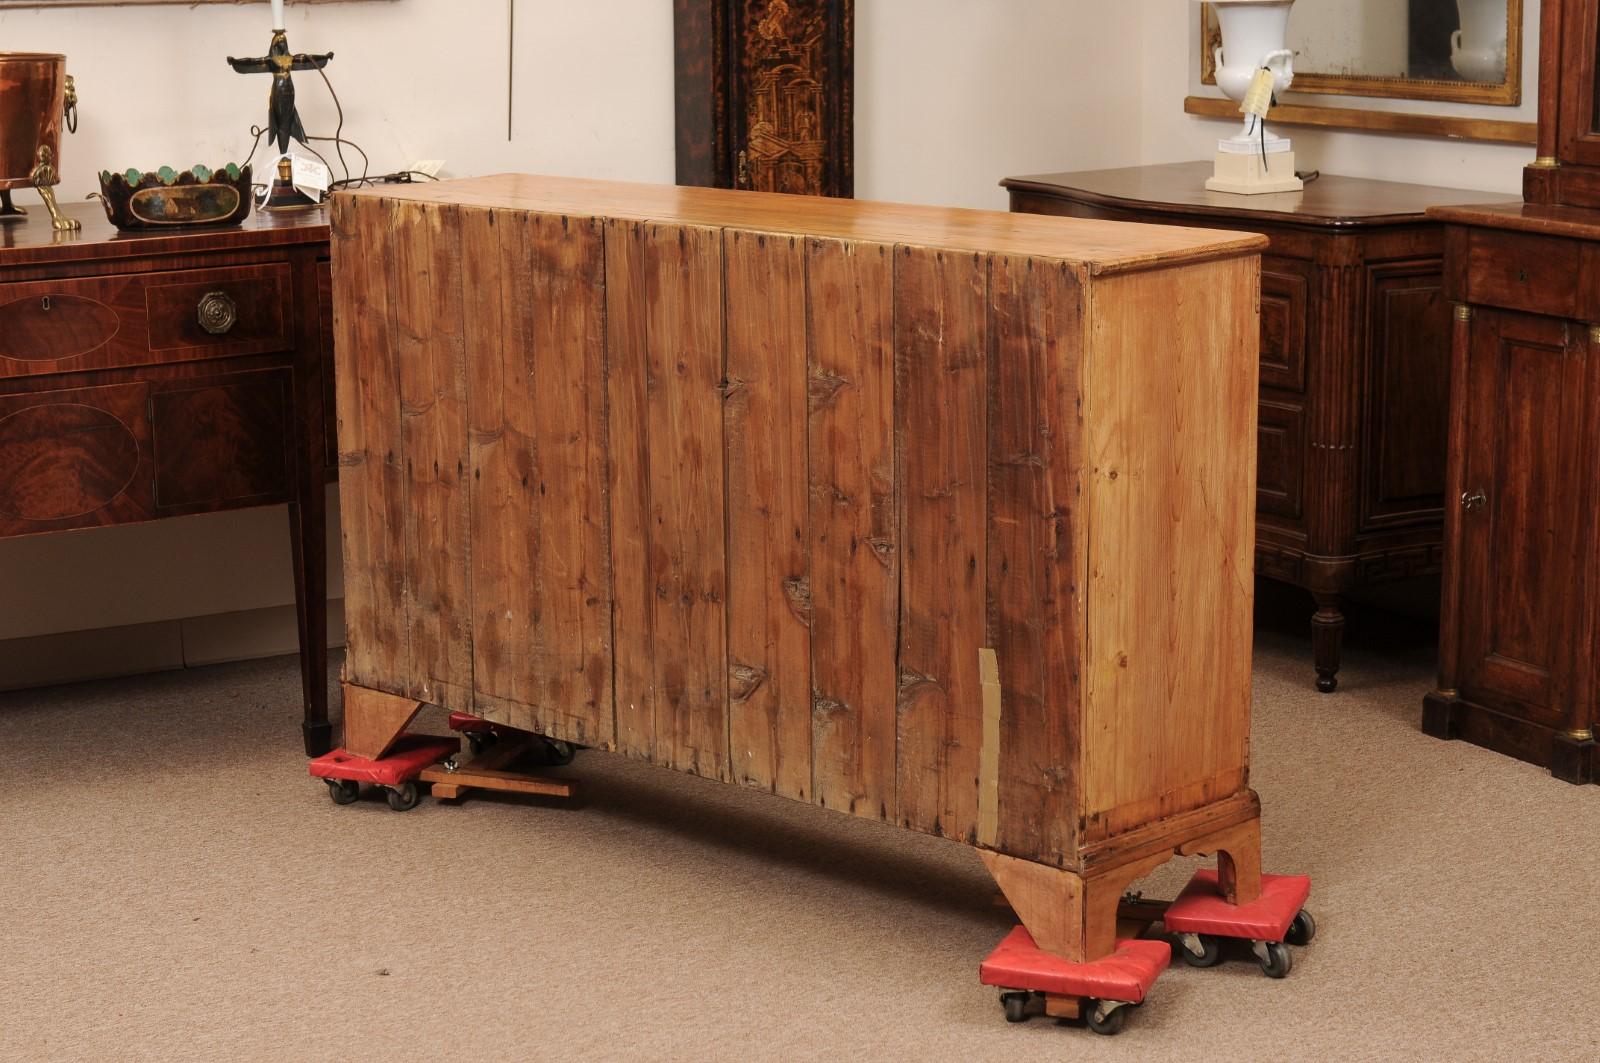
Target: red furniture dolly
[412,759]
[1201,917]
[396,771]
[1100,992]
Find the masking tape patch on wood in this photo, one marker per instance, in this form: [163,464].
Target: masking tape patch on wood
[989,755]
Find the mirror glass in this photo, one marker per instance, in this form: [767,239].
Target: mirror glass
[1462,40]
[1424,49]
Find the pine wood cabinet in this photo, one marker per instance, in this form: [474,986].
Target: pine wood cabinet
[936,517]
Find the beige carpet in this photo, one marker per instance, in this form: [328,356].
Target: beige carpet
[175,888]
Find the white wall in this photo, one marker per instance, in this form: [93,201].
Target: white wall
[951,95]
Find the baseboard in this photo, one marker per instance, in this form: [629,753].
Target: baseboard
[101,653]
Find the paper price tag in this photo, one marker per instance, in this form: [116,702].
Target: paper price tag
[309,176]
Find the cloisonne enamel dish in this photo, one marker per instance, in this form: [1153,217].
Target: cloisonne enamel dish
[167,198]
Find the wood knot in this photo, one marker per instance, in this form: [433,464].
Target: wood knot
[823,388]
[797,592]
[744,680]
[882,549]
[824,708]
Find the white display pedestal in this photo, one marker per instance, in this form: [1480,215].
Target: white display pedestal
[1240,169]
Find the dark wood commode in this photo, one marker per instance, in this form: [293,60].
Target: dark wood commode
[1519,670]
[1354,367]
[150,376]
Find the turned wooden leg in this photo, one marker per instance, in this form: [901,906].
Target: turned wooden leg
[1327,639]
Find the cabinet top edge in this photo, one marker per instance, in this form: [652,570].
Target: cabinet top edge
[1098,247]
[31,241]
[1329,202]
[1580,222]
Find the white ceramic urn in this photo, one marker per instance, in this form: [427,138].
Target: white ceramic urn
[1478,48]
[1255,35]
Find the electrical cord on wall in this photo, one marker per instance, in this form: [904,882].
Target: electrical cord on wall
[340,142]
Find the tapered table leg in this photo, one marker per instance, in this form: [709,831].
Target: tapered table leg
[307,534]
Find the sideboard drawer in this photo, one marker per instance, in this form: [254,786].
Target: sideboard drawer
[1517,271]
[143,318]
[74,458]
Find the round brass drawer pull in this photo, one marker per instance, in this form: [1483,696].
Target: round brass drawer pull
[218,313]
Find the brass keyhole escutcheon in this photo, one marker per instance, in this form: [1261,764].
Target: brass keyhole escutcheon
[217,313]
[44,304]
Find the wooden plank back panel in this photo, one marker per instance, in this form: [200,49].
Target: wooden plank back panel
[425,282]
[769,595]
[1170,419]
[853,538]
[673,382]
[541,560]
[371,481]
[1036,554]
[634,588]
[954,538]
[940,428]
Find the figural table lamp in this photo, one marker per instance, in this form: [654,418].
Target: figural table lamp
[1254,64]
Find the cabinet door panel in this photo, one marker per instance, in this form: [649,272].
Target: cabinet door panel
[1406,396]
[1285,296]
[222,442]
[1281,459]
[1519,541]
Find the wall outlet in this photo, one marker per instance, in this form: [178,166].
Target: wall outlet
[431,167]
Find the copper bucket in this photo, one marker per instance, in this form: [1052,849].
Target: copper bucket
[36,99]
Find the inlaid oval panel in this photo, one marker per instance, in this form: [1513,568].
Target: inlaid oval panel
[63,460]
[43,328]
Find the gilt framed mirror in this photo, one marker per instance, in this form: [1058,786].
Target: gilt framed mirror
[1458,51]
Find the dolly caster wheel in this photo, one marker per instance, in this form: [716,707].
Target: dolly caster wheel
[556,753]
[1302,930]
[1105,1023]
[404,797]
[1016,1005]
[343,791]
[1209,954]
[1276,959]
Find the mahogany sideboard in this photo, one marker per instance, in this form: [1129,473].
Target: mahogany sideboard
[180,372]
[1355,367]
[933,516]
